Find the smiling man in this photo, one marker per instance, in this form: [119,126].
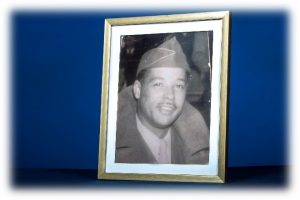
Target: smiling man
[155,123]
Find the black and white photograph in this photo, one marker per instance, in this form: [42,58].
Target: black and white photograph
[164,95]
[164,98]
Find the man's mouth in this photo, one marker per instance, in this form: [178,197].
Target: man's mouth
[167,108]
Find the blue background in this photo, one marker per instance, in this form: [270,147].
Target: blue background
[56,88]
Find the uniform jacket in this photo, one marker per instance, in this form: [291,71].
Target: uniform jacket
[189,135]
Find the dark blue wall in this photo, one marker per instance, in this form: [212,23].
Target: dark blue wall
[56,88]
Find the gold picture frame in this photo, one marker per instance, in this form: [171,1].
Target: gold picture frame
[218,23]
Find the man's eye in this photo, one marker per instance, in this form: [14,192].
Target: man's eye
[180,86]
[158,84]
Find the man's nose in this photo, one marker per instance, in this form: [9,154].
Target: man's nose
[169,92]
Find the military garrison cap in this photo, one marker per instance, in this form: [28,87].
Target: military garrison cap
[168,54]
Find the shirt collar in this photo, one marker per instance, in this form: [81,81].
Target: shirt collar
[152,140]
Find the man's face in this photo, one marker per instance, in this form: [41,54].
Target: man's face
[161,96]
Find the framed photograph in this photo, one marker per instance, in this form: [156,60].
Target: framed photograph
[164,98]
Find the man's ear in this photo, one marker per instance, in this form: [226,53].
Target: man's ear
[137,89]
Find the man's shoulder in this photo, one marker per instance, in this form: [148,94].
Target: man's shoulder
[194,132]
[191,119]
[130,147]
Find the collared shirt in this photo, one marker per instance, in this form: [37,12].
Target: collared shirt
[160,147]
